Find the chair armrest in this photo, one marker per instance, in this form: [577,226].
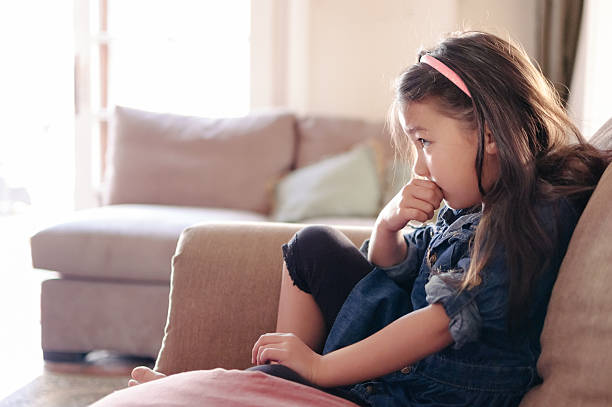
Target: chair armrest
[224,292]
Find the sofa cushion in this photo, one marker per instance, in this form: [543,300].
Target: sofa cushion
[576,359]
[169,159]
[346,184]
[134,242]
[221,388]
[79,315]
[398,173]
[321,136]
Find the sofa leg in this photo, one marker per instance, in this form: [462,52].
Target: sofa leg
[64,357]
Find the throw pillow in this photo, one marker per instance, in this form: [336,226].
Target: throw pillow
[168,159]
[343,185]
[221,388]
[398,173]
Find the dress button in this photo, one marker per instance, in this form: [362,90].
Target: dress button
[369,389]
[406,370]
[432,258]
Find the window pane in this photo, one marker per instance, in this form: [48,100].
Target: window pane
[186,56]
[37,103]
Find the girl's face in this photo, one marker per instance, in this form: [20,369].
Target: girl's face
[446,153]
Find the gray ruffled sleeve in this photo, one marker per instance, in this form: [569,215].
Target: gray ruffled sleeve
[460,306]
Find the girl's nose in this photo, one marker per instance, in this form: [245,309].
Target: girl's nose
[420,168]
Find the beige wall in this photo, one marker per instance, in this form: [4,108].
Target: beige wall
[516,18]
[340,56]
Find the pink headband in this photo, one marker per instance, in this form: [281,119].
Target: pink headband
[446,71]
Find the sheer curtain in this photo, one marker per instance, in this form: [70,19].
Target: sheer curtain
[589,101]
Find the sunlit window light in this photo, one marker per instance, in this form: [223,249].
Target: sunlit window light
[187,56]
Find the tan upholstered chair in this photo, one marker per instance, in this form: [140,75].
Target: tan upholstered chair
[226,279]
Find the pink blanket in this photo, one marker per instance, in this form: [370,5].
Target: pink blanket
[220,387]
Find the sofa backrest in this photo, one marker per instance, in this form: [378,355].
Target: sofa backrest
[235,163]
[602,138]
[322,136]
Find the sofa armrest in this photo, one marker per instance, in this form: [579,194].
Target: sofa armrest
[224,292]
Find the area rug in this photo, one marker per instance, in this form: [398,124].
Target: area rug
[64,390]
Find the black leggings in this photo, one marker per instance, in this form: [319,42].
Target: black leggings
[323,262]
[285,373]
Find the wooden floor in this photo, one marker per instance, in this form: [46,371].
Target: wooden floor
[63,390]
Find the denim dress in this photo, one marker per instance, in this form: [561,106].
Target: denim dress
[485,366]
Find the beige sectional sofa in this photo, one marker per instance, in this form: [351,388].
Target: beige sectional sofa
[167,172]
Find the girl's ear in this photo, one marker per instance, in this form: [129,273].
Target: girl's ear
[490,145]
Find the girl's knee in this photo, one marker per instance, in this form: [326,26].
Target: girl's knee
[307,252]
[313,239]
[321,255]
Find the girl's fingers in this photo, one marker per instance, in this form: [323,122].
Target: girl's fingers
[425,183]
[414,214]
[430,192]
[424,206]
[256,346]
[270,353]
[263,340]
[432,195]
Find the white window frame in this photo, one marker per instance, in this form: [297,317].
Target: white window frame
[92,103]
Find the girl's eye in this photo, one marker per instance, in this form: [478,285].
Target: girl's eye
[423,142]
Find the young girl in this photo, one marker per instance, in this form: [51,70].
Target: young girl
[448,314]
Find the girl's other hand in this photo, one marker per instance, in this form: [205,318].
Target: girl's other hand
[288,350]
[417,200]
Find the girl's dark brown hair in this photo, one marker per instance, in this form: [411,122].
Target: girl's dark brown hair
[542,155]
